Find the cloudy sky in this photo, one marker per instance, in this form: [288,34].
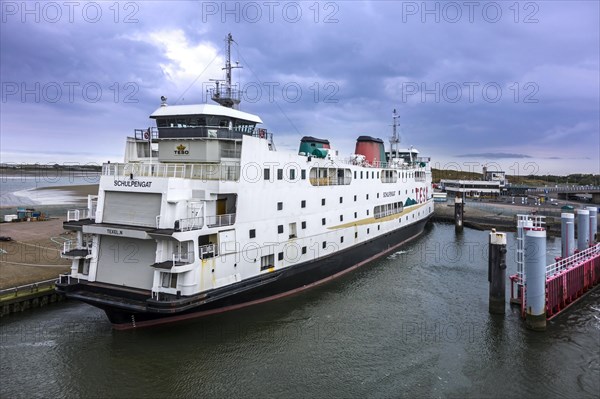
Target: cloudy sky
[512,85]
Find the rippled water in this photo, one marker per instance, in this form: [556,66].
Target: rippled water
[414,324]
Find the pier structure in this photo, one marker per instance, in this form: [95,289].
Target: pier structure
[541,290]
[497,272]
[567,234]
[18,299]
[459,211]
[583,229]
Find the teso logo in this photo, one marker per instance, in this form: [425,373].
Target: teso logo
[181,150]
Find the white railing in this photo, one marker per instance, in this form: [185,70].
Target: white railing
[183,257]
[572,260]
[177,257]
[188,224]
[72,245]
[224,171]
[92,206]
[522,222]
[378,164]
[208,251]
[74,215]
[62,278]
[330,181]
[220,220]
[563,189]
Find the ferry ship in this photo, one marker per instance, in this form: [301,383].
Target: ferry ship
[206,215]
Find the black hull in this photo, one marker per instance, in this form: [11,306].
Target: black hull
[133,308]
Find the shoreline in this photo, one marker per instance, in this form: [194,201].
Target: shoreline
[49,196]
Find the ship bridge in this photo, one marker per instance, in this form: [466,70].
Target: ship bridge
[203,121]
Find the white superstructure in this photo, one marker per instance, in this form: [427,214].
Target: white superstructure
[215,205]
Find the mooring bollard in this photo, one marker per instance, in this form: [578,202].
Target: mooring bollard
[497,272]
[458,213]
[583,229]
[593,224]
[567,234]
[535,278]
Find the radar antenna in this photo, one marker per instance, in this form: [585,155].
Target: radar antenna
[224,93]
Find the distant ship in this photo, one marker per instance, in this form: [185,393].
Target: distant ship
[219,219]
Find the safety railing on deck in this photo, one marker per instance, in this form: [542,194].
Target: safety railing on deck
[74,215]
[224,171]
[71,245]
[176,257]
[522,222]
[188,224]
[183,257]
[208,251]
[572,260]
[220,220]
[416,163]
[66,279]
[330,181]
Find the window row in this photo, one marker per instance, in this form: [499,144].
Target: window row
[291,174]
[330,176]
[341,199]
[381,211]
[338,176]
[388,176]
[268,261]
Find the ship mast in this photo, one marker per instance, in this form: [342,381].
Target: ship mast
[224,93]
[394,140]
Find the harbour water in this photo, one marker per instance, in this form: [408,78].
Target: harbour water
[414,324]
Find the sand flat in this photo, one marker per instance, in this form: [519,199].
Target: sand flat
[32,256]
